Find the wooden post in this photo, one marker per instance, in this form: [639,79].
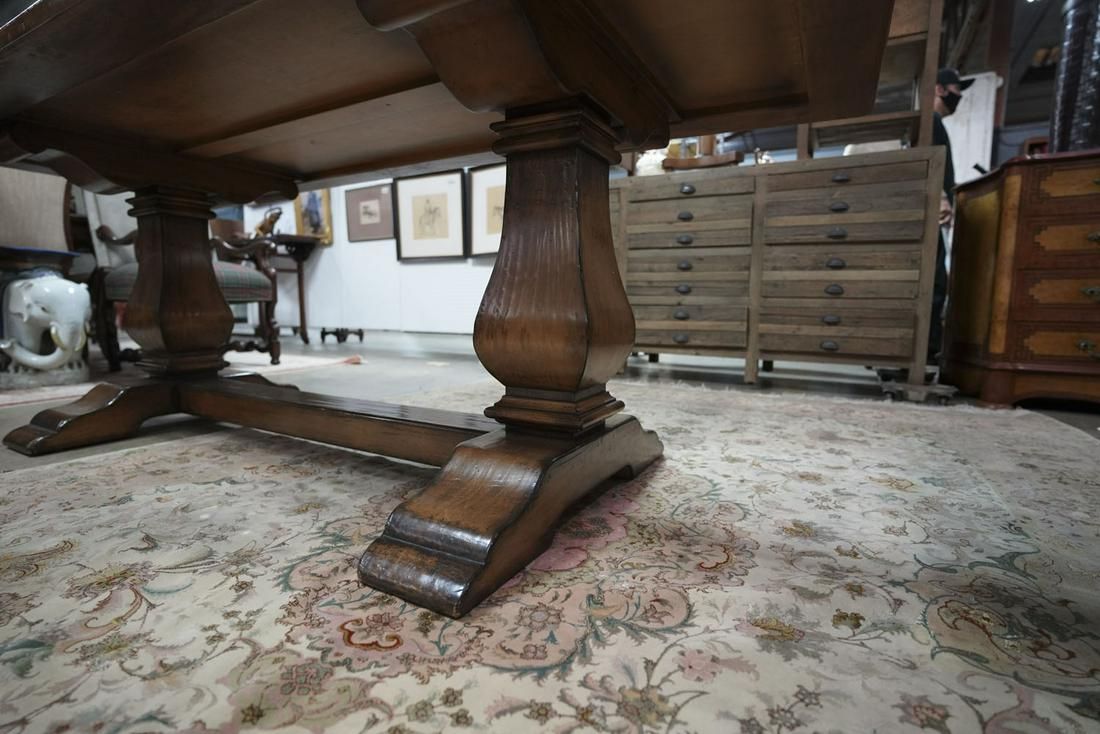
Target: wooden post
[176,311]
[555,323]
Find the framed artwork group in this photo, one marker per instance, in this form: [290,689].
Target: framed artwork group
[438,215]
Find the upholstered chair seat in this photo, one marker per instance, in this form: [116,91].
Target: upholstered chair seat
[239,283]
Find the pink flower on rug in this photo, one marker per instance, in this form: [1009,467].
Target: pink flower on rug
[699,665]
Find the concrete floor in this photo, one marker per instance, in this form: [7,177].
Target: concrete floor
[397,364]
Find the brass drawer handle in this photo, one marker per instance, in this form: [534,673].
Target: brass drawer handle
[683,265]
[837,233]
[1093,292]
[685,216]
[681,315]
[841,177]
[835,263]
[829,345]
[685,239]
[1089,348]
[683,289]
[830,320]
[680,338]
[838,206]
[1096,181]
[1094,237]
[834,289]
[687,189]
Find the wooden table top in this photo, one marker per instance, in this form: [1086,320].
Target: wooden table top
[318,91]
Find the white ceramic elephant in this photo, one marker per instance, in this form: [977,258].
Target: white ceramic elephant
[35,306]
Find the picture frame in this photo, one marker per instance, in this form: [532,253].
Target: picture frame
[430,216]
[313,215]
[486,206]
[369,213]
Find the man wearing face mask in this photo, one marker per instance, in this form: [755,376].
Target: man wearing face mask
[949,88]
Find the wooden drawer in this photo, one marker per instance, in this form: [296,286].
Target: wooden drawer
[832,304]
[880,213]
[687,185]
[819,257]
[650,293]
[839,204]
[1057,296]
[782,284]
[689,314]
[688,213]
[730,338]
[1079,345]
[832,344]
[689,260]
[910,229]
[846,176]
[691,237]
[841,316]
[1063,242]
[1067,181]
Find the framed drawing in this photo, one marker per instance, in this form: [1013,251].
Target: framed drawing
[313,215]
[370,213]
[486,209]
[430,216]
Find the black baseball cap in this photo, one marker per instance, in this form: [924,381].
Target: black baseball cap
[951,76]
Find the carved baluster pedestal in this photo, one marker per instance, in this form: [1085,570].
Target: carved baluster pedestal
[176,313]
[553,327]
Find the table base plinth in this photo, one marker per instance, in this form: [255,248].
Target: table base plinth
[494,508]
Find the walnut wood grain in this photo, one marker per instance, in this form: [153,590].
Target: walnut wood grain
[415,434]
[439,554]
[106,413]
[555,324]
[176,310]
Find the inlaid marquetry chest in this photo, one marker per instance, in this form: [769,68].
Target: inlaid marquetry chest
[818,260]
[1024,308]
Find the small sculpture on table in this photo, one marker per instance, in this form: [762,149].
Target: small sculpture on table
[266,227]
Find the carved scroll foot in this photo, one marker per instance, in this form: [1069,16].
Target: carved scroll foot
[106,413]
[493,509]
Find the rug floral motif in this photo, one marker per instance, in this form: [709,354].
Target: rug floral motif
[793,564]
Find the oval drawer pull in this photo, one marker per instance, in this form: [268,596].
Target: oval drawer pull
[685,239]
[680,338]
[683,289]
[1089,348]
[685,216]
[687,189]
[835,263]
[829,345]
[841,177]
[837,233]
[834,289]
[838,206]
[683,265]
[1093,292]
[681,315]
[1094,237]
[830,320]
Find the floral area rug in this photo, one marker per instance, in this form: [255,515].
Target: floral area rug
[793,564]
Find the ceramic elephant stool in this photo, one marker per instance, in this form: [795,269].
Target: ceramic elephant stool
[34,307]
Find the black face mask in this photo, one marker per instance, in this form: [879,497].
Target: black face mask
[951,101]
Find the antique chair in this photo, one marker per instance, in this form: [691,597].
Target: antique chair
[244,272]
